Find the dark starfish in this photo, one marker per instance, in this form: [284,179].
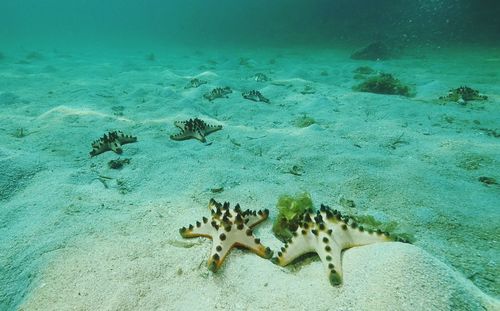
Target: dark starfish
[256,96]
[218,93]
[111,141]
[194,128]
[463,94]
[194,83]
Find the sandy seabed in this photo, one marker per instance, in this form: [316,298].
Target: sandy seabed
[75,234]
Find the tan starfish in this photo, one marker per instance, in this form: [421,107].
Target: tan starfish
[256,96]
[194,128]
[463,94]
[260,77]
[194,83]
[228,228]
[111,141]
[218,93]
[328,233]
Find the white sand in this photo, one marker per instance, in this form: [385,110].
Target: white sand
[67,242]
[137,274]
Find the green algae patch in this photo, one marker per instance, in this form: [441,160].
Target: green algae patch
[290,209]
[303,121]
[383,83]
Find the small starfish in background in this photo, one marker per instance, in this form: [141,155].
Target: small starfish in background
[256,96]
[218,93]
[194,128]
[194,83]
[328,233]
[260,77]
[228,228]
[463,94]
[111,141]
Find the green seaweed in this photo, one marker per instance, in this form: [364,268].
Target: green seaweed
[303,121]
[290,209]
[383,83]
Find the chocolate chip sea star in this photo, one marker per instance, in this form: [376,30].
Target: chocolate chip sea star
[228,228]
[111,141]
[328,233]
[194,128]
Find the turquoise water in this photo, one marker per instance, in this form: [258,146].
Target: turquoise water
[280,22]
[73,71]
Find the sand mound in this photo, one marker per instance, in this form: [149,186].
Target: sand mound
[396,276]
[124,275]
[16,172]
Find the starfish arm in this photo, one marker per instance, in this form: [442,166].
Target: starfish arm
[199,135]
[226,239]
[99,147]
[219,251]
[116,146]
[257,218]
[211,129]
[300,245]
[201,229]
[355,235]
[330,254]
[246,239]
[180,136]
[180,124]
[347,233]
[126,139]
[265,100]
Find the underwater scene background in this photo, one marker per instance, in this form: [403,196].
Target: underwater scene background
[338,124]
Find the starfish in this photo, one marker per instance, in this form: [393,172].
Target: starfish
[218,93]
[111,141]
[260,77]
[256,96]
[194,128]
[463,94]
[328,233]
[194,83]
[228,228]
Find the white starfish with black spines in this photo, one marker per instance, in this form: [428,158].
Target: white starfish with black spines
[260,77]
[218,92]
[194,128]
[194,83]
[228,228]
[328,233]
[111,141]
[255,96]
